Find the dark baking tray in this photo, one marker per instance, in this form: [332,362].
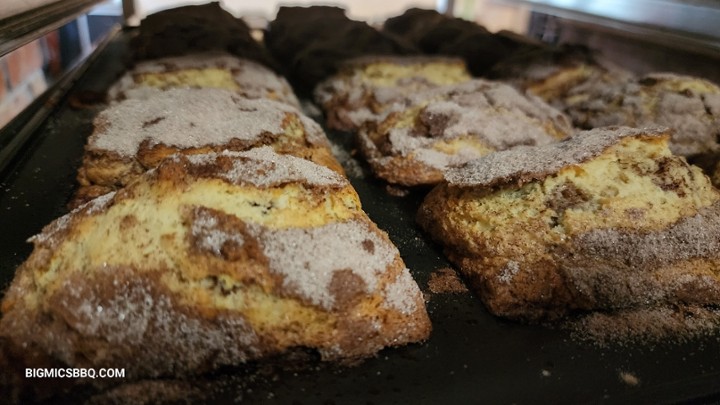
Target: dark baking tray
[471,357]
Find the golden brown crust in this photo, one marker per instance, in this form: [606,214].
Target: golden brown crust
[213,260]
[627,228]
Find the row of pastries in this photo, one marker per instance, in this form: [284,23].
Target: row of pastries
[213,226]
[562,182]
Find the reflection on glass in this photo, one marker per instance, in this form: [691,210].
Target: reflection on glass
[28,71]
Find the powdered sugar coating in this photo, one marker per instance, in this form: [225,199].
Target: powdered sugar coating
[138,315]
[253,79]
[309,258]
[190,118]
[509,271]
[528,163]
[689,106]
[205,229]
[263,167]
[350,85]
[403,294]
[692,237]
[494,111]
[494,114]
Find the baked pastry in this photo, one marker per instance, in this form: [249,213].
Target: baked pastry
[413,24]
[688,105]
[311,42]
[608,220]
[195,29]
[374,82]
[552,73]
[203,70]
[424,134]
[212,260]
[134,135]
[437,34]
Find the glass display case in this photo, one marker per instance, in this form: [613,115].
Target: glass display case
[472,357]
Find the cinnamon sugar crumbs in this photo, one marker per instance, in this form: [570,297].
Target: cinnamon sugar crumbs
[629,378]
[149,392]
[446,281]
[646,325]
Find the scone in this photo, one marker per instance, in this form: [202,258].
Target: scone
[551,73]
[413,24]
[203,70]
[195,29]
[310,43]
[134,135]
[606,220]
[688,105]
[424,134]
[438,34]
[208,261]
[366,85]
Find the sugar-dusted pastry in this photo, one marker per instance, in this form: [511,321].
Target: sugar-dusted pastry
[688,105]
[134,135]
[413,24]
[371,83]
[208,261]
[204,70]
[438,34]
[424,134]
[551,73]
[310,43]
[606,220]
[194,29]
